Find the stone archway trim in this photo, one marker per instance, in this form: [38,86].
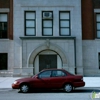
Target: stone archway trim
[48,46]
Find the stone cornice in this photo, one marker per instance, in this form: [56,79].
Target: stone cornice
[46,37]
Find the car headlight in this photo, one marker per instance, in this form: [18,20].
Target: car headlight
[15,82]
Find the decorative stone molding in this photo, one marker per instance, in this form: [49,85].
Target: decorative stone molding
[48,43]
[47,46]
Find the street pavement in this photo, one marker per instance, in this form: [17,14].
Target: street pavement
[6,82]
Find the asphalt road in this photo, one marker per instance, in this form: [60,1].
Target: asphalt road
[78,94]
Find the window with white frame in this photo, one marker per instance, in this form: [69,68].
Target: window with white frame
[3,26]
[98,24]
[30,23]
[64,23]
[47,23]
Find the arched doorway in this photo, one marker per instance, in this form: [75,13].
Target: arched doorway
[34,56]
[47,59]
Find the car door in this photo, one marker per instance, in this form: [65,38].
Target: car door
[58,78]
[42,80]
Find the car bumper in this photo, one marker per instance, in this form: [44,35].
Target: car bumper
[15,86]
[79,84]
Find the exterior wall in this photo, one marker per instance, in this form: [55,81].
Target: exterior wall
[11,21]
[20,6]
[91,50]
[87,20]
[96,3]
[66,46]
[7,7]
[6,45]
[90,46]
[81,48]
[4,4]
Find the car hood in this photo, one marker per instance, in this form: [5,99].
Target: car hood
[25,79]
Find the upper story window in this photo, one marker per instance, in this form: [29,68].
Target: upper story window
[3,26]
[30,23]
[98,24]
[64,23]
[47,23]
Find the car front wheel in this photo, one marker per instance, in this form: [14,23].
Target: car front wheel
[68,88]
[24,88]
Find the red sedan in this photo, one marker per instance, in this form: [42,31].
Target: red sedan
[50,79]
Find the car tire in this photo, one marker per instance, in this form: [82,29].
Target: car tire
[68,88]
[24,88]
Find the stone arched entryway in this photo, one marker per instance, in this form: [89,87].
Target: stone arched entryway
[48,46]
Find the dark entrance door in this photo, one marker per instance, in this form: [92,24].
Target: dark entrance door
[47,61]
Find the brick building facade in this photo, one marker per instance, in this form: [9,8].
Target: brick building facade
[6,38]
[59,34]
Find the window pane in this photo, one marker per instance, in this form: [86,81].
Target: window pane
[58,73]
[45,74]
[30,31]
[64,23]
[3,61]
[30,15]
[47,31]
[98,34]
[30,23]
[99,56]
[64,31]
[3,17]
[98,17]
[64,15]
[98,26]
[3,30]
[5,26]
[4,34]
[47,23]
[0,26]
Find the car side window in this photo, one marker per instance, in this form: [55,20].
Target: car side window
[45,74]
[58,73]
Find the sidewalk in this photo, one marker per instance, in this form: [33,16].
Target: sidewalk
[5,82]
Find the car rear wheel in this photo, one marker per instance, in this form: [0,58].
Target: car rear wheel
[68,88]
[24,88]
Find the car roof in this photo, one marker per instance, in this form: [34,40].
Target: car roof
[53,69]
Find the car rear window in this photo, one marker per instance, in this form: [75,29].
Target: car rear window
[57,73]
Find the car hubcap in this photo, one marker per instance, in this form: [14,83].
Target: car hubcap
[68,88]
[24,88]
